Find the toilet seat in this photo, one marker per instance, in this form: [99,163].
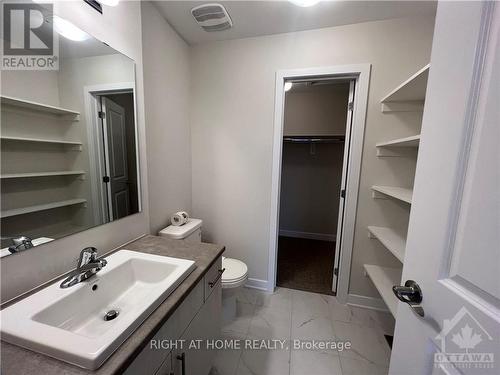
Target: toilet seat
[236,273]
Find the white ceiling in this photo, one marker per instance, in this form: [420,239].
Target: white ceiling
[256,18]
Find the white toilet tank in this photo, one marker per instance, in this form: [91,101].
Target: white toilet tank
[191,231]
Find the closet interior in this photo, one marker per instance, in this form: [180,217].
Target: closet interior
[314,135]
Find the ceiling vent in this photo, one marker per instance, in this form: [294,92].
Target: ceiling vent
[212,17]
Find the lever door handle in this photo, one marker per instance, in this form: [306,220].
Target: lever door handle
[411,294]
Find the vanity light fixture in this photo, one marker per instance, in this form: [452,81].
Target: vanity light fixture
[304,3]
[68,30]
[288,86]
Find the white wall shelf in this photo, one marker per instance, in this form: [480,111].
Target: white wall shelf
[412,141]
[39,107]
[41,207]
[76,145]
[399,193]
[408,96]
[391,240]
[384,278]
[41,174]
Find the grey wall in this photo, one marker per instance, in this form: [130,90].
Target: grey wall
[120,27]
[167,88]
[232,130]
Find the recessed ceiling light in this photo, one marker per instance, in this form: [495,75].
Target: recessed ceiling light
[288,86]
[68,30]
[304,3]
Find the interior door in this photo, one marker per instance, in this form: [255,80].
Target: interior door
[453,240]
[115,146]
[343,186]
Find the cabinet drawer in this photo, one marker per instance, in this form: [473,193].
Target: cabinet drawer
[213,277]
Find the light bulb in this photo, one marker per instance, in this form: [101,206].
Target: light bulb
[288,86]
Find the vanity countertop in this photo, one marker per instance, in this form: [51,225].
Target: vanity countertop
[16,360]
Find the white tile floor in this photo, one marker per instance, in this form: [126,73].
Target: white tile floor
[291,314]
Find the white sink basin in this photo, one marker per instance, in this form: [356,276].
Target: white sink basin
[68,324]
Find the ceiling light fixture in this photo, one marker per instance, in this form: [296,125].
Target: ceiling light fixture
[68,30]
[288,86]
[304,3]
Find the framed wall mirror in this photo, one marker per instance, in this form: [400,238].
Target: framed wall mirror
[69,150]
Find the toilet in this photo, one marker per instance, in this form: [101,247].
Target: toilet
[235,271]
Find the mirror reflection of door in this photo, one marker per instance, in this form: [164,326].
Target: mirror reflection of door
[117,123]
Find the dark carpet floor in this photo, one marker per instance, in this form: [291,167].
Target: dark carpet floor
[306,264]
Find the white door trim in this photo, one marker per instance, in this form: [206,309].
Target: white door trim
[95,144]
[361,73]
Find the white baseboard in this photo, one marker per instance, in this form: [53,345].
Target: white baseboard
[367,302]
[257,284]
[308,235]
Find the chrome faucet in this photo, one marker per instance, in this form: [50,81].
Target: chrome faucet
[19,243]
[88,265]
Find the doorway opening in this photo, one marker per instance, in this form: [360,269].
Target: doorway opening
[113,150]
[314,158]
[318,140]
[116,115]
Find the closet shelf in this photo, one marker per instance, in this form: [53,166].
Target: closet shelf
[390,148]
[413,89]
[392,240]
[399,193]
[41,207]
[38,140]
[39,107]
[412,141]
[41,174]
[384,278]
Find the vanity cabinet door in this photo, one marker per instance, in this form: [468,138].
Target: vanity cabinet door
[166,366]
[204,327]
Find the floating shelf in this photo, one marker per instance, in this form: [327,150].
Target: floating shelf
[41,174]
[392,240]
[399,193]
[384,278]
[408,96]
[39,107]
[41,207]
[38,140]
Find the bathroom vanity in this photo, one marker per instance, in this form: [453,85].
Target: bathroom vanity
[165,342]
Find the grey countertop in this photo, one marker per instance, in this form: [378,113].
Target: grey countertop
[16,360]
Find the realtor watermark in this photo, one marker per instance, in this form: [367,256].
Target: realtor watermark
[251,344]
[29,41]
[465,344]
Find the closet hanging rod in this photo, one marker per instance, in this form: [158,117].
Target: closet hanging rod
[336,139]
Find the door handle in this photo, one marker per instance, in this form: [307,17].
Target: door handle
[212,283]
[410,294]
[182,358]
